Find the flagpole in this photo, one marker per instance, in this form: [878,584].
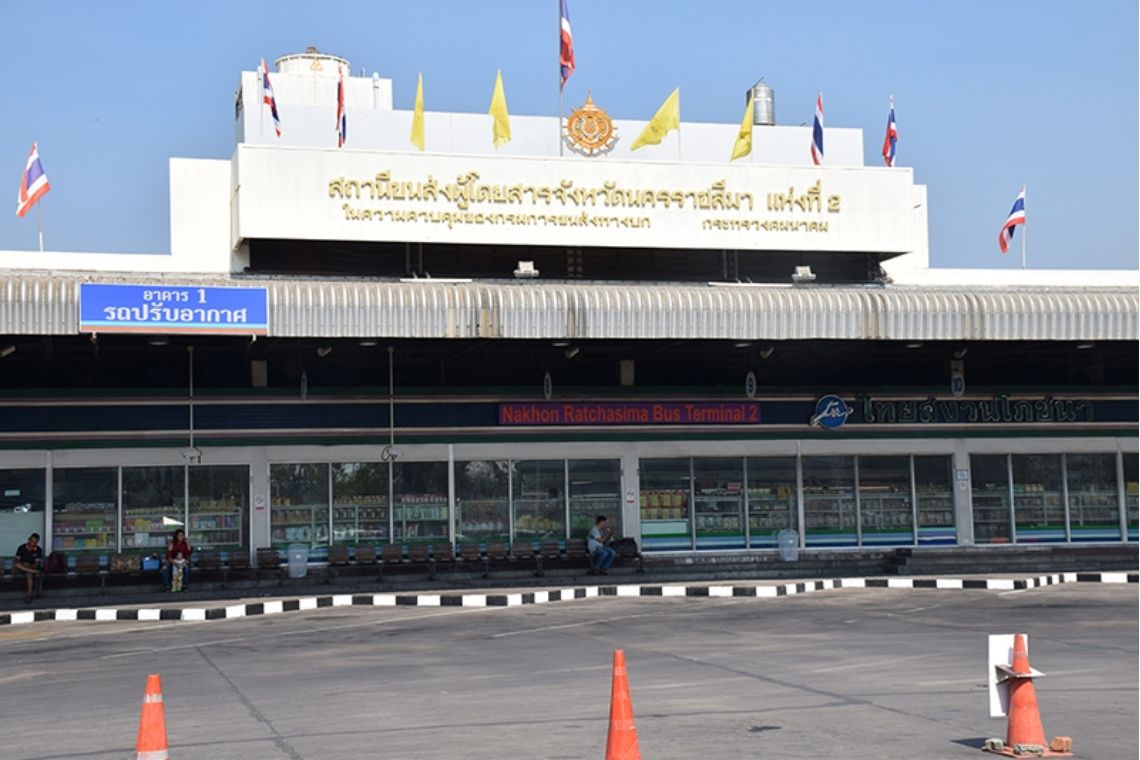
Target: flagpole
[1024,229]
[560,84]
[40,221]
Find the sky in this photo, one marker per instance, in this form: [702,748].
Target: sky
[989,96]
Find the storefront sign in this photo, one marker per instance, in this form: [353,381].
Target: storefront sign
[633,413]
[1000,409]
[173,309]
[373,196]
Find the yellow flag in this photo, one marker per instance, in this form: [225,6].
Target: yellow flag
[743,145]
[668,117]
[418,116]
[498,109]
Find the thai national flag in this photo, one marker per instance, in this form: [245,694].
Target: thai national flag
[341,117]
[34,183]
[817,133]
[566,51]
[268,99]
[891,138]
[1016,217]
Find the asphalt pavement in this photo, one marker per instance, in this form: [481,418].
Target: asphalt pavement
[879,673]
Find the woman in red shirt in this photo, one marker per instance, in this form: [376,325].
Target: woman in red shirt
[178,548]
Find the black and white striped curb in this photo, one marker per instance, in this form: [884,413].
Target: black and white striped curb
[517,599]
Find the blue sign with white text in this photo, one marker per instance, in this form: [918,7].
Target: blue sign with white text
[173,309]
[830,413]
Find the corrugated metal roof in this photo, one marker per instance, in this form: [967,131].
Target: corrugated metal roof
[48,304]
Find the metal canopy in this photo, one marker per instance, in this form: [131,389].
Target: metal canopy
[48,304]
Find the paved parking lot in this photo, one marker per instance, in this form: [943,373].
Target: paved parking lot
[883,673]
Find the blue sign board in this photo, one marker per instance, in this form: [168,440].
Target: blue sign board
[173,309]
[830,412]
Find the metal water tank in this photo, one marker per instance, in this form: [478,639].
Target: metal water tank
[313,63]
[763,104]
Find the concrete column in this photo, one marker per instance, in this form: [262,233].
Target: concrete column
[963,506]
[262,500]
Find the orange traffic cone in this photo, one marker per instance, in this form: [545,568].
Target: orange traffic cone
[152,725]
[1025,736]
[621,744]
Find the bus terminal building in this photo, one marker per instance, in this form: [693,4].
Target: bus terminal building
[374,344]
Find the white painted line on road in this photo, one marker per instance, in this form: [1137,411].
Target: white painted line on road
[579,624]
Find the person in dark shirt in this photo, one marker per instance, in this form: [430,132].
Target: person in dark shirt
[30,562]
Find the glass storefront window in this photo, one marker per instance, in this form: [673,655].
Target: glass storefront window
[85,509]
[219,503]
[299,508]
[718,503]
[153,506]
[1131,492]
[771,499]
[360,503]
[419,492]
[989,477]
[1038,499]
[665,497]
[1094,506]
[21,507]
[595,489]
[539,493]
[829,501]
[482,501]
[934,492]
[885,508]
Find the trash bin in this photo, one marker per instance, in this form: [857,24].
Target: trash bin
[789,543]
[298,560]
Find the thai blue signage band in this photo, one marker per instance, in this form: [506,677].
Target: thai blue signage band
[173,309]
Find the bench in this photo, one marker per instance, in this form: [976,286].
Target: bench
[469,553]
[269,564]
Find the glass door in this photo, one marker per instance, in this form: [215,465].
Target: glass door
[935,496]
[299,512]
[1131,493]
[85,509]
[1038,498]
[595,489]
[1094,506]
[219,503]
[829,501]
[21,507]
[990,496]
[718,503]
[771,499]
[420,498]
[482,501]
[886,512]
[539,493]
[360,503]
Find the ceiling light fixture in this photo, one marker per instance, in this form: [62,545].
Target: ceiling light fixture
[323,351]
[742,344]
[367,343]
[158,340]
[766,351]
[916,344]
[1085,346]
[8,350]
[571,352]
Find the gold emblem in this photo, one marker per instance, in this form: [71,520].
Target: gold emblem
[589,130]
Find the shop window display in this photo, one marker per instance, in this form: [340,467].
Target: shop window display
[360,512]
[1038,498]
[990,496]
[21,506]
[665,495]
[886,513]
[153,506]
[419,492]
[829,501]
[595,489]
[219,504]
[299,508]
[772,505]
[539,493]
[1094,505]
[934,496]
[482,501]
[85,509]
[1131,493]
[718,502]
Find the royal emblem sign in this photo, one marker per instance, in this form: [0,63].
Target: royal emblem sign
[589,130]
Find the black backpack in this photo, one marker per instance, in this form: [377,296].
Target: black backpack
[626,547]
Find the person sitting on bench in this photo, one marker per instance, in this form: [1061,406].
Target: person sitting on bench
[30,562]
[601,556]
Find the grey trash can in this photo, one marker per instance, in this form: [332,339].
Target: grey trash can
[789,543]
[298,561]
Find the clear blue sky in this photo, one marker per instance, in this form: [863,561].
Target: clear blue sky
[989,96]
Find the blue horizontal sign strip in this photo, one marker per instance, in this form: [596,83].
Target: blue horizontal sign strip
[147,308]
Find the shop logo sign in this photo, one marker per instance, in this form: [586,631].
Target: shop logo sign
[830,412]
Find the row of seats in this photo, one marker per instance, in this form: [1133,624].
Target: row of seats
[431,556]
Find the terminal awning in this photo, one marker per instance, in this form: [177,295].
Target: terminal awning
[44,303]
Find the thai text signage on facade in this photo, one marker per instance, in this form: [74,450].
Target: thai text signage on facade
[372,196]
[173,309]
